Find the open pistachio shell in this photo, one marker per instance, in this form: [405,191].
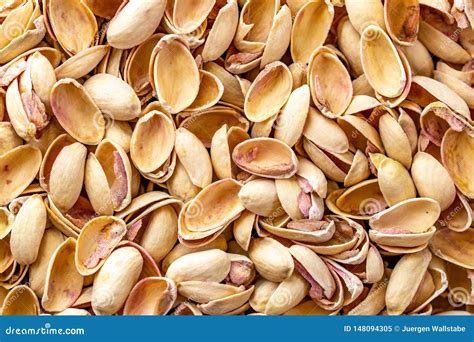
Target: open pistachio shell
[77,32]
[151,296]
[21,300]
[27,230]
[96,241]
[188,15]
[134,22]
[19,167]
[458,216]
[217,204]
[76,112]
[174,73]
[63,282]
[388,80]
[279,37]
[222,144]
[455,247]
[402,19]
[6,221]
[211,90]
[310,29]
[115,280]
[269,92]
[415,215]
[272,260]
[266,157]
[457,150]
[330,82]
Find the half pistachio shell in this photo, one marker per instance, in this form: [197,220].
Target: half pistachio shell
[19,167]
[266,157]
[21,300]
[402,19]
[63,282]
[269,92]
[151,296]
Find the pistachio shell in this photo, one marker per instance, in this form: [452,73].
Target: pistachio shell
[436,183]
[362,14]
[154,127]
[325,133]
[266,157]
[52,238]
[19,167]
[96,241]
[272,260]
[188,15]
[310,29]
[134,23]
[68,165]
[415,215]
[288,294]
[63,282]
[175,74]
[457,149]
[115,98]
[76,112]
[76,33]
[269,92]
[27,230]
[115,280]
[395,140]
[419,58]
[260,197]
[388,80]
[8,138]
[330,82]
[210,265]
[404,281]
[402,19]
[194,157]
[348,42]
[151,296]
[21,300]
[455,247]
[104,9]
[395,182]
[217,204]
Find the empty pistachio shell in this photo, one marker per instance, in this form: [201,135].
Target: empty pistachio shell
[63,282]
[27,230]
[402,19]
[457,149]
[310,29]
[95,243]
[21,300]
[134,23]
[388,80]
[269,92]
[19,167]
[266,157]
[454,247]
[151,296]
[115,280]
[272,260]
[170,58]
[415,215]
[76,112]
